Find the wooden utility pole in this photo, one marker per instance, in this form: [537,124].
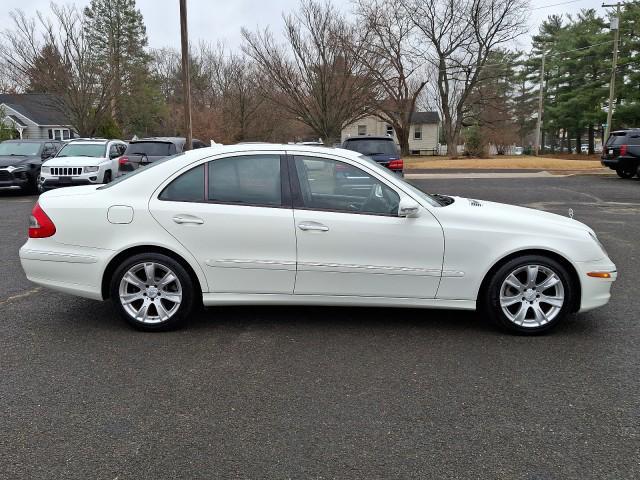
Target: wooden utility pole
[186,77]
[615,26]
[540,105]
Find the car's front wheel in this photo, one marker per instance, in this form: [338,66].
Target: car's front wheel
[626,172]
[152,292]
[107,177]
[529,295]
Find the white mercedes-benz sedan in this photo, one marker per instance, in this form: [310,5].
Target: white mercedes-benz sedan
[294,224]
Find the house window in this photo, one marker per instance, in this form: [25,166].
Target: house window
[389,130]
[417,132]
[59,134]
[362,129]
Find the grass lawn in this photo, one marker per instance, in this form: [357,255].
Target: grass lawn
[505,162]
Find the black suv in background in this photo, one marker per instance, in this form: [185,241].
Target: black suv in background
[147,150]
[622,152]
[21,160]
[382,150]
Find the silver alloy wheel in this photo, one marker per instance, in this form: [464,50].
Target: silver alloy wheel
[532,296]
[150,292]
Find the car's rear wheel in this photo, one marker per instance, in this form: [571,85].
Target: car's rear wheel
[529,295]
[625,172]
[152,292]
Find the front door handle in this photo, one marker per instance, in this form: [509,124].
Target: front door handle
[185,219]
[313,226]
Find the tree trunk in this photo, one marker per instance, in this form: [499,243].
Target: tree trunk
[579,141]
[563,142]
[403,139]
[591,140]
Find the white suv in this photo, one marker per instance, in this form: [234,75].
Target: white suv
[82,162]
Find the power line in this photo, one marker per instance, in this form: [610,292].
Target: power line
[556,4]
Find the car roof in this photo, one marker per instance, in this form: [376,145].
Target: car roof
[369,137]
[93,140]
[176,140]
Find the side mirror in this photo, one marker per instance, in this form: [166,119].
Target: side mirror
[408,208]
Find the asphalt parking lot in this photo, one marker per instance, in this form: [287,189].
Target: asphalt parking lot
[248,392]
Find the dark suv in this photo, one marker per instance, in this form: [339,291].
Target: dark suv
[381,149]
[622,152]
[147,150]
[21,160]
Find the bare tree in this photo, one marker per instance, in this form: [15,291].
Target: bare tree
[386,50]
[53,55]
[316,78]
[459,38]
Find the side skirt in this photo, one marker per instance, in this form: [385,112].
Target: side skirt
[210,299]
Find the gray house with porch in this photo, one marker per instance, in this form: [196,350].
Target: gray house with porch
[34,116]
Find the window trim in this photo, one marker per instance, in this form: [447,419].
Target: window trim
[296,191]
[285,184]
[417,132]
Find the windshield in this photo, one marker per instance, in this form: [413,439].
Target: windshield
[152,149]
[425,196]
[142,169]
[372,146]
[97,150]
[19,148]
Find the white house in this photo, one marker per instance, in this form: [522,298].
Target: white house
[34,116]
[423,133]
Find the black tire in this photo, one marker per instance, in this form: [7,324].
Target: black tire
[31,188]
[187,288]
[626,172]
[107,177]
[490,301]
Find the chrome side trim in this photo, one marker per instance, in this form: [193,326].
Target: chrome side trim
[452,273]
[381,269]
[259,264]
[57,256]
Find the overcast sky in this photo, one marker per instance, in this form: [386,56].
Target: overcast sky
[221,20]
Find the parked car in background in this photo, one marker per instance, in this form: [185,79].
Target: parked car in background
[147,150]
[382,150]
[518,151]
[21,160]
[252,224]
[622,152]
[82,161]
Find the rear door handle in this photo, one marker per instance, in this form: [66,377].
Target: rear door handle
[187,219]
[313,226]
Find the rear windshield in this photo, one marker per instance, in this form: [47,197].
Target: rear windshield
[372,146]
[138,171]
[83,150]
[617,138]
[152,149]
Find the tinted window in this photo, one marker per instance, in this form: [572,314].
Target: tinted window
[372,146]
[251,180]
[188,187]
[634,139]
[617,138]
[153,149]
[336,186]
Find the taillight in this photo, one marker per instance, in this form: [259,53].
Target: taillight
[40,225]
[123,160]
[396,164]
[623,150]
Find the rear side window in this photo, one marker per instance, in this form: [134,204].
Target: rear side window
[634,139]
[247,180]
[188,187]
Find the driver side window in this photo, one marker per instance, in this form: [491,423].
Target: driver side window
[336,186]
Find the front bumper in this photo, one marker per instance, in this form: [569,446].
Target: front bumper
[14,179]
[596,292]
[49,183]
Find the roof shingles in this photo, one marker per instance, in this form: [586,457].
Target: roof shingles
[40,108]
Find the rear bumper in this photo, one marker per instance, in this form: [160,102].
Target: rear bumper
[625,162]
[596,292]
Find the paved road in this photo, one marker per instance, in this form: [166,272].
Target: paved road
[326,392]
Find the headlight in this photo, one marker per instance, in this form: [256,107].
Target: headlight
[45,170]
[20,168]
[91,169]
[595,239]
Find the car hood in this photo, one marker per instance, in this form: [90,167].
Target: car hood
[73,161]
[500,216]
[15,160]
